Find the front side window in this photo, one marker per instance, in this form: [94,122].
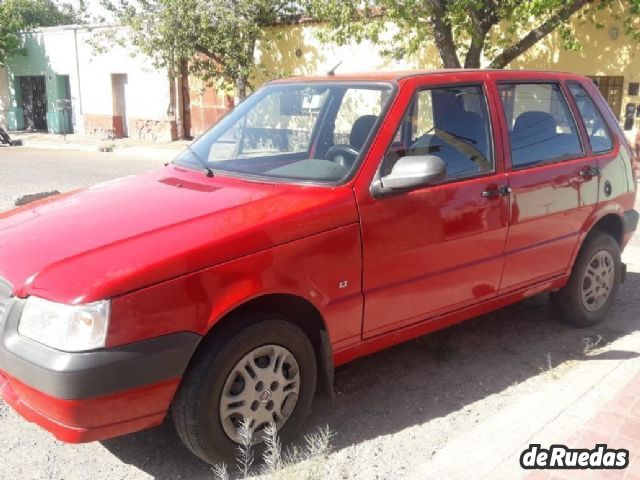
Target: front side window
[597,130]
[451,123]
[541,127]
[309,132]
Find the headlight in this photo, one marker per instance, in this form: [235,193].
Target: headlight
[70,328]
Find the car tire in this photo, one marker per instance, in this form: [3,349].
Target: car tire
[214,373]
[588,296]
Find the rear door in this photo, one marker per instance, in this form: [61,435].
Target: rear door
[552,176]
[606,141]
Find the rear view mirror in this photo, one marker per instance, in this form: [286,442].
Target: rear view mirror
[415,171]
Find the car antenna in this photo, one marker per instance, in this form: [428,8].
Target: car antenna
[332,72]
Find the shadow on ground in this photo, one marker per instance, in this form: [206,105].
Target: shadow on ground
[424,379]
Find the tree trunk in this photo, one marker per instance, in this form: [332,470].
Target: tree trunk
[472,60]
[186,100]
[443,36]
[241,88]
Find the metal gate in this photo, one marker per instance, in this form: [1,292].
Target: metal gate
[34,102]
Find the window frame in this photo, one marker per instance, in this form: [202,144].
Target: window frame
[483,84]
[559,83]
[393,88]
[568,84]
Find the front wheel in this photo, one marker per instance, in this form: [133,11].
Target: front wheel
[263,371]
[592,287]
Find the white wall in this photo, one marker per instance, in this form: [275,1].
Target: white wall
[147,93]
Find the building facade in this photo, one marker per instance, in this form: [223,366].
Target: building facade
[63,84]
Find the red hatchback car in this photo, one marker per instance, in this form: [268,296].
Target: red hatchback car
[322,220]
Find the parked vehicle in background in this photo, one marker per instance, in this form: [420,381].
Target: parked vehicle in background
[324,219]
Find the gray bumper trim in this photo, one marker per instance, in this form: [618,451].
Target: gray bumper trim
[91,374]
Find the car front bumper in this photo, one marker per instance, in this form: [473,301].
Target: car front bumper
[81,397]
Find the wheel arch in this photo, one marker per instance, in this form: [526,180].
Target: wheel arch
[608,220]
[613,224]
[293,308]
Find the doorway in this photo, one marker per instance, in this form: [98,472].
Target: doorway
[64,104]
[34,102]
[612,89]
[119,87]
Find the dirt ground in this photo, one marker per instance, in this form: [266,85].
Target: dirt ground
[393,411]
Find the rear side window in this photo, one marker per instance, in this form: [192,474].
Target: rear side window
[599,136]
[452,123]
[541,127]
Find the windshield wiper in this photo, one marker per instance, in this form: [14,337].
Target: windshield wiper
[205,166]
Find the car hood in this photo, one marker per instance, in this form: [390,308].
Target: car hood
[129,233]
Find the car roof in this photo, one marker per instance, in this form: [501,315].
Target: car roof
[394,76]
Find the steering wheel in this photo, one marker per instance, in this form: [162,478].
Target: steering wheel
[343,155]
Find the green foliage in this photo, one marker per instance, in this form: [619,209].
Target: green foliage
[19,15]
[216,38]
[499,30]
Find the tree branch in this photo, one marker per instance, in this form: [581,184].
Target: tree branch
[210,54]
[443,35]
[511,53]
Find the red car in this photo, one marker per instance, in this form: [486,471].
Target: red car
[322,220]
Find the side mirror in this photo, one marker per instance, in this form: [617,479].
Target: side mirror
[415,171]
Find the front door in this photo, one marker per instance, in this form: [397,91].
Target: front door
[554,182]
[437,248]
[34,102]
[119,84]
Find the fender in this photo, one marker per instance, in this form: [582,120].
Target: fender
[324,269]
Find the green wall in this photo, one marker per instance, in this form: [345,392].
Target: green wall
[36,63]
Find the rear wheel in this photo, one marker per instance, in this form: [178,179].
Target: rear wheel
[594,281]
[263,371]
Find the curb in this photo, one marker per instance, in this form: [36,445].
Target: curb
[128,151]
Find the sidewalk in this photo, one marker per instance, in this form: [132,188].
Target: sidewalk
[595,400]
[122,146]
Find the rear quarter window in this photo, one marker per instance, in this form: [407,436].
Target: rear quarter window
[594,123]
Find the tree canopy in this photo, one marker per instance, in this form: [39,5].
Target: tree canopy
[465,31]
[216,38]
[20,15]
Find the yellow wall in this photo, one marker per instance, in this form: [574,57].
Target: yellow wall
[599,55]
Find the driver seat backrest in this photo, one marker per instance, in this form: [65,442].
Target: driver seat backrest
[360,131]
[470,128]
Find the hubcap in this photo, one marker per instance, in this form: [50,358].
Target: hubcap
[598,280]
[263,387]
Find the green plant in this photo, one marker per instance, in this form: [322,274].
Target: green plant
[216,40]
[17,16]
[106,147]
[307,462]
[465,31]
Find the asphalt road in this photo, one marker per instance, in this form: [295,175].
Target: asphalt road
[29,170]
[394,411]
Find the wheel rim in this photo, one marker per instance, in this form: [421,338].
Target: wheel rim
[262,387]
[598,281]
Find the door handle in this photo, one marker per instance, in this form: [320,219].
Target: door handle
[500,191]
[589,172]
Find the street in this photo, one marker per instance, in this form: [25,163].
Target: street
[407,412]
[31,170]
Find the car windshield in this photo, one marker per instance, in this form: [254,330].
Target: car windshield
[299,132]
